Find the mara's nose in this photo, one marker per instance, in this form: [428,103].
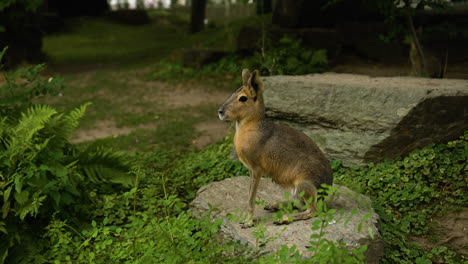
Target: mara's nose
[221,111]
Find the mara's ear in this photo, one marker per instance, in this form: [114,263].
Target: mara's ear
[245,76]
[255,83]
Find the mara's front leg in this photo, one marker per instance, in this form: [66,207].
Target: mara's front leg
[255,177]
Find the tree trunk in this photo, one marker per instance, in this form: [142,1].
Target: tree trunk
[264,7]
[417,43]
[197,21]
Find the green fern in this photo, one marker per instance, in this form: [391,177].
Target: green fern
[61,127]
[41,172]
[37,161]
[20,148]
[30,123]
[3,132]
[100,165]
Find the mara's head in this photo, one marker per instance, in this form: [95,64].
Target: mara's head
[247,101]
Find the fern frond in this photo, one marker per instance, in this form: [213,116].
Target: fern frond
[104,166]
[31,122]
[62,126]
[4,128]
[71,121]
[32,206]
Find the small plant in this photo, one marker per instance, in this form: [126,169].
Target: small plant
[326,251]
[322,249]
[167,71]
[291,58]
[22,86]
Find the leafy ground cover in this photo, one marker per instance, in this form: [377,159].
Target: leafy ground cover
[145,107]
[409,192]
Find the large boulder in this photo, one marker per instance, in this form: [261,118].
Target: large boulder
[229,197]
[359,119]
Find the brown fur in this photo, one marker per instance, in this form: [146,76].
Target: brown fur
[287,155]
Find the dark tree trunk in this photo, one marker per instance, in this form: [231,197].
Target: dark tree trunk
[264,7]
[417,43]
[198,16]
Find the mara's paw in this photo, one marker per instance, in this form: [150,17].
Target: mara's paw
[283,221]
[271,207]
[247,224]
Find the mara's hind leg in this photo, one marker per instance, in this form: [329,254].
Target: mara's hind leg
[276,206]
[309,199]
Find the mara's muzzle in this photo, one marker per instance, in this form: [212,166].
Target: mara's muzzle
[221,114]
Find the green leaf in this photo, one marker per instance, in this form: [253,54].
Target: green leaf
[6,194]
[18,183]
[5,209]
[22,197]
[2,228]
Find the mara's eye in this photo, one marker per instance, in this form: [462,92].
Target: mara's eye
[243,98]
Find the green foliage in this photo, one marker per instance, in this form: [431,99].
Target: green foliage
[150,224]
[289,57]
[146,239]
[197,169]
[145,226]
[322,249]
[231,64]
[326,251]
[407,192]
[150,230]
[29,5]
[40,171]
[22,85]
[168,71]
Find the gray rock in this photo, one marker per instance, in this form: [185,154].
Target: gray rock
[229,197]
[359,119]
